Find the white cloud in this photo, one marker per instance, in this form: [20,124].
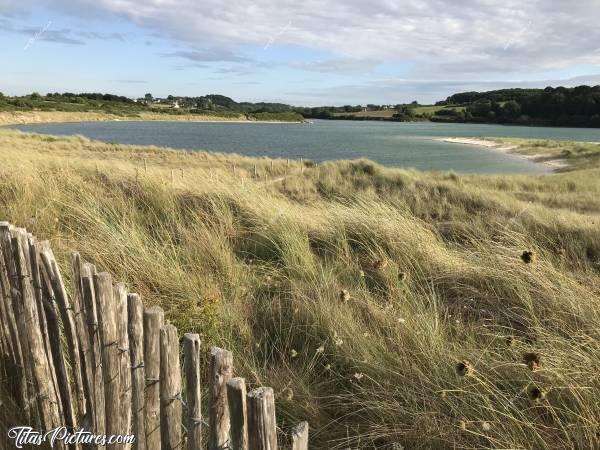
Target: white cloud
[491,34]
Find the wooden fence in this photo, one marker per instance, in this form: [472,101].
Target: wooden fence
[96,359]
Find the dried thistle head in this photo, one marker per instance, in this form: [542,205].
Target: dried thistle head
[463,424]
[380,264]
[528,257]
[287,394]
[533,360]
[536,394]
[463,368]
[344,295]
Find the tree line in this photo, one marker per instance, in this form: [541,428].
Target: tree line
[560,106]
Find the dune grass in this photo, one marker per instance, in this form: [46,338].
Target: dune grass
[387,307]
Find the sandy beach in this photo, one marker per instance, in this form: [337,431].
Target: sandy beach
[41,117]
[502,147]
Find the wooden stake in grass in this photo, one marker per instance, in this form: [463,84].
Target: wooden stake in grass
[172,178]
[145,165]
[300,436]
[120,294]
[170,390]
[154,318]
[191,354]
[135,314]
[221,368]
[262,430]
[236,397]
[255,171]
[107,322]
[181,173]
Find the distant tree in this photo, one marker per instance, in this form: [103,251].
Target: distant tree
[35,96]
[511,109]
[148,97]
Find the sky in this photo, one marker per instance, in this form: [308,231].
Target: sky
[325,52]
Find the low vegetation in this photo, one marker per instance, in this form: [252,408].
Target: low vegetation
[56,107]
[390,308]
[572,107]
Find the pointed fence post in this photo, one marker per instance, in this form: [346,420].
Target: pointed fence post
[221,368]
[97,407]
[135,312]
[300,436]
[154,319]
[44,389]
[120,294]
[107,320]
[170,390]
[84,342]
[191,354]
[236,397]
[262,430]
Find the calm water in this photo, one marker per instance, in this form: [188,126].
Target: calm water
[410,144]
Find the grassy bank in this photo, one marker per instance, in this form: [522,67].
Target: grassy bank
[383,305]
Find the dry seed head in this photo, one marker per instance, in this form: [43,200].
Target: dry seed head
[402,276]
[464,368]
[532,360]
[528,257]
[344,295]
[536,394]
[358,375]
[320,349]
[287,394]
[380,264]
[293,353]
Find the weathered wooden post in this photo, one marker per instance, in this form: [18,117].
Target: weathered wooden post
[221,368]
[236,397]
[19,342]
[67,315]
[154,318]
[262,430]
[83,336]
[255,171]
[300,436]
[191,354]
[91,316]
[135,312]
[145,165]
[56,357]
[120,294]
[46,395]
[107,322]
[170,390]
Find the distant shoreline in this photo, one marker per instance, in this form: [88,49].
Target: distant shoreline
[45,117]
[555,164]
